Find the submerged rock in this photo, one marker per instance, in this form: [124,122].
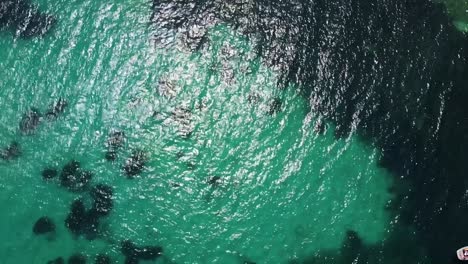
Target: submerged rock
[30,121]
[102,199]
[130,260]
[176,185]
[102,259]
[183,118]
[168,88]
[275,106]
[253,98]
[43,225]
[76,218]
[214,181]
[83,222]
[11,152]
[110,155]
[58,260]
[135,164]
[56,109]
[91,225]
[73,177]
[49,173]
[134,253]
[77,259]
[352,246]
[149,252]
[115,141]
[191,165]
[71,167]
[127,248]
[320,127]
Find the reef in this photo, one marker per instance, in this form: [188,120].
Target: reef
[102,199]
[44,225]
[24,19]
[275,106]
[49,173]
[102,259]
[115,141]
[57,108]
[30,121]
[11,152]
[183,118]
[76,218]
[214,181]
[82,222]
[135,164]
[77,259]
[58,260]
[73,177]
[135,253]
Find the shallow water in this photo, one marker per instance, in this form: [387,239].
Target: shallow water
[278,149]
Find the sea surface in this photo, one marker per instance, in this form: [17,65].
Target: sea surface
[303,131]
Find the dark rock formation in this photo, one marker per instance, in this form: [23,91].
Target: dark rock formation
[73,177]
[115,141]
[76,218]
[214,181]
[11,152]
[77,259]
[134,253]
[58,260]
[30,121]
[56,109]
[275,106]
[183,118]
[352,246]
[49,173]
[90,227]
[135,164]
[43,225]
[102,259]
[102,199]
[86,222]
[82,222]
[110,155]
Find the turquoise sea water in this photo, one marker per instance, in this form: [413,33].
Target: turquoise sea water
[287,189]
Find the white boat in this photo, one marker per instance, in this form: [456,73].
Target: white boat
[462,253]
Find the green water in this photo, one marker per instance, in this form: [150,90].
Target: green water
[458,12]
[286,191]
